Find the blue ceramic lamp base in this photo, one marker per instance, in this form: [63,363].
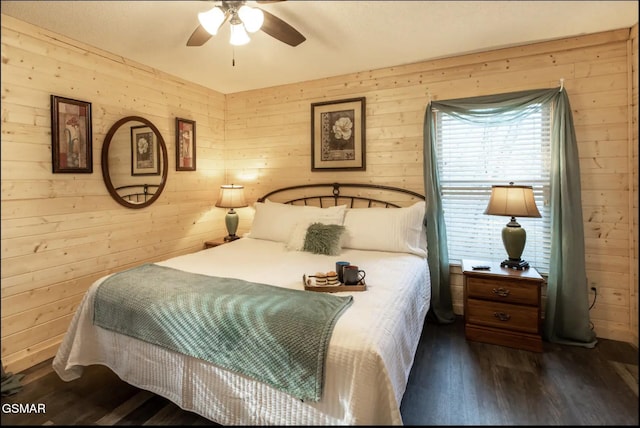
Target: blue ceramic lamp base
[514,238]
[231,221]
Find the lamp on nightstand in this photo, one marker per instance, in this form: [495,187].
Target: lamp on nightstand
[231,196]
[513,201]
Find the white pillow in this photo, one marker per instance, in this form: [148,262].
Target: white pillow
[399,230]
[296,239]
[275,221]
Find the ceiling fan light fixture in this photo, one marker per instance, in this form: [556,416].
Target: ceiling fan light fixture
[239,36]
[252,18]
[242,19]
[211,20]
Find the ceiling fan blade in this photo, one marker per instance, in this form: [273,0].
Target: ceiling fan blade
[199,37]
[278,29]
[269,1]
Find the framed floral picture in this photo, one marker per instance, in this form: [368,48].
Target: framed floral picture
[71,138]
[338,135]
[145,153]
[185,145]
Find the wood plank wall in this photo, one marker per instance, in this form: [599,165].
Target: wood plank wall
[635,207]
[60,232]
[268,141]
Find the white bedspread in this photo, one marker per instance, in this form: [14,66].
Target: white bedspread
[368,363]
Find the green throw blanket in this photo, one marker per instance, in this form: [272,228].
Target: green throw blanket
[272,334]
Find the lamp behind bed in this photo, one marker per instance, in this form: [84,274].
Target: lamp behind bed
[231,196]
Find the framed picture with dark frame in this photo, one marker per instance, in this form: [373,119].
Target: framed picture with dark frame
[145,153]
[185,145]
[338,135]
[71,136]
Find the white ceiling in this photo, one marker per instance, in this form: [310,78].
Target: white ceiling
[342,36]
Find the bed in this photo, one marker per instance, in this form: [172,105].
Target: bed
[371,344]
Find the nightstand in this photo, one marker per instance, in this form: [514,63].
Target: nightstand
[215,242]
[502,306]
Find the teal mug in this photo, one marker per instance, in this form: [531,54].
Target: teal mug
[352,275]
[339,267]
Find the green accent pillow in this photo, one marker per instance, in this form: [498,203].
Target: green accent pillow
[323,239]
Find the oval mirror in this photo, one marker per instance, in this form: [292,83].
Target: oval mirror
[134,162]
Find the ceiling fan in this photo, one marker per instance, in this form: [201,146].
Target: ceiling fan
[242,19]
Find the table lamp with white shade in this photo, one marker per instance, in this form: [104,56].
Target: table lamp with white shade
[231,196]
[513,201]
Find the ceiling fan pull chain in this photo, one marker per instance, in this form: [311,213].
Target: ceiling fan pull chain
[233,59]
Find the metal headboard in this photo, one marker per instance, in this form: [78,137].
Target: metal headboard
[338,196]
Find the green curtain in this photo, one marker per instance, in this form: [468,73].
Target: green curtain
[567,307]
[441,309]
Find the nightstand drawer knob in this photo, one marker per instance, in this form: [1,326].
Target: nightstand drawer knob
[502,292]
[502,316]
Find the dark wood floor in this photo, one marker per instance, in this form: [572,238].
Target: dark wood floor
[456,382]
[453,382]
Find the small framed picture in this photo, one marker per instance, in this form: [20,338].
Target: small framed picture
[145,154]
[338,135]
[71,138]
[185,145]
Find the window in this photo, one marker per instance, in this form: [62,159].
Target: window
[474,156]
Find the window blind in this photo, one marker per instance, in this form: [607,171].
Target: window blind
[474,156]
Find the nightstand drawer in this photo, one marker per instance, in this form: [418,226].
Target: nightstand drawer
[503,316]
[502,290]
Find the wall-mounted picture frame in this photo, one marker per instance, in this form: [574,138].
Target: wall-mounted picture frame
[185,145]
[71,136]
[338,135]
[145,153]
